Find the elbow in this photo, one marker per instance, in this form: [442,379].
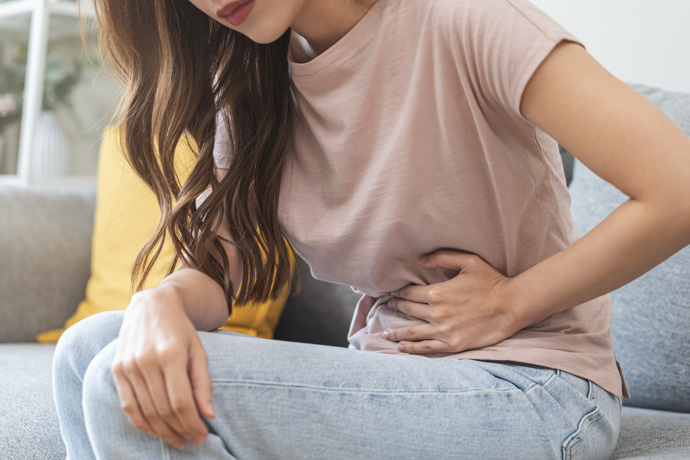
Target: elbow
[670,209]
[683,198]
[685,220]
[683,209]
[678,209]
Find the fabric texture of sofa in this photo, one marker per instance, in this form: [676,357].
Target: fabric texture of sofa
[45,241]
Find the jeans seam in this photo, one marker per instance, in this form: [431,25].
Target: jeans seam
[586,422]
[164,450]
[356,390]
[542,385]
[593,392]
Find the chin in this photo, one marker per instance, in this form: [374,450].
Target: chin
[264,37]
[265,30]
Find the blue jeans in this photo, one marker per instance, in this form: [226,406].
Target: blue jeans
[282,400]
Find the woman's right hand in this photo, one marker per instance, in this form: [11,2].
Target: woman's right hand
[161,371]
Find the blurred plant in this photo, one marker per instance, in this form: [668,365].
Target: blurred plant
[9,110]
[11,88]
[58,84]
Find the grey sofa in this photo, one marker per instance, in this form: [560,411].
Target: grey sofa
[45,239]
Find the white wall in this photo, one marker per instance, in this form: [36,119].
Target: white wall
[93,101]
[641,41]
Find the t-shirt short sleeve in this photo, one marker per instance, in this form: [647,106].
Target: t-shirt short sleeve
[222,145]
[221,152]
[505,42]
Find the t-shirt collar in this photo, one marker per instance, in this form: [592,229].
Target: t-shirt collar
[342,47]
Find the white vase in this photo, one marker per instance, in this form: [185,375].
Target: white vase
[51,150]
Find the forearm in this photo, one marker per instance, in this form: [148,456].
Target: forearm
[202,298]
[632,240]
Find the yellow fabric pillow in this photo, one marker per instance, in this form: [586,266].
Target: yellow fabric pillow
[126,215]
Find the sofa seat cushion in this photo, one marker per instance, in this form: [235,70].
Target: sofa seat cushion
[29,427]
[653,434]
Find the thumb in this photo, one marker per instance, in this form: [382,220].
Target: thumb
[201,379]
[447,259]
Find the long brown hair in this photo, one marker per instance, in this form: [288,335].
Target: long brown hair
[180,68]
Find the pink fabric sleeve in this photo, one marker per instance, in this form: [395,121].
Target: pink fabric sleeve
[221,152]
[222,146]
[508,40]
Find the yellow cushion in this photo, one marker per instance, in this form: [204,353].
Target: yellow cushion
[126,215]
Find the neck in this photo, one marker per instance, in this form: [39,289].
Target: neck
[323,22]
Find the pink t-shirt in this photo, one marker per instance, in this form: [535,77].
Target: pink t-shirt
[409,139]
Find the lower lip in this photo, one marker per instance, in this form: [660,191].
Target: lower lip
[239,14]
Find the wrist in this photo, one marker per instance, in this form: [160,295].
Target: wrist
[165,295]
[520,303]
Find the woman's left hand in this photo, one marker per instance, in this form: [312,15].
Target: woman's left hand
[469,311]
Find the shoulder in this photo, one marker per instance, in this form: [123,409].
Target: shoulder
[435,12]
[464,14]
[475,17]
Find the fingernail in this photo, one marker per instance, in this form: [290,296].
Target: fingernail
[401,347]
[387,334]
[152,434]
[211,410]
[198,440]
[423,259]
[179,445]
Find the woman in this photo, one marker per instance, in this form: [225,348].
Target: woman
[406,148]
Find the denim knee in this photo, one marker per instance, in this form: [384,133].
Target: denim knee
[81,342]
[99,395]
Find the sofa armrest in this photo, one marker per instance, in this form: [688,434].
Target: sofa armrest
[45,252]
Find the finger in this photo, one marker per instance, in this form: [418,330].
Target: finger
[414,309]
[151,411]
[449,259]
[165,404]
[424,347]
[179,391]
[413,292]
[201,379]
[417,332]
[130,405]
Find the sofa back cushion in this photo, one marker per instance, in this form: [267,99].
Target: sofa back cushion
[319,313]
[45,248]
[651,316]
